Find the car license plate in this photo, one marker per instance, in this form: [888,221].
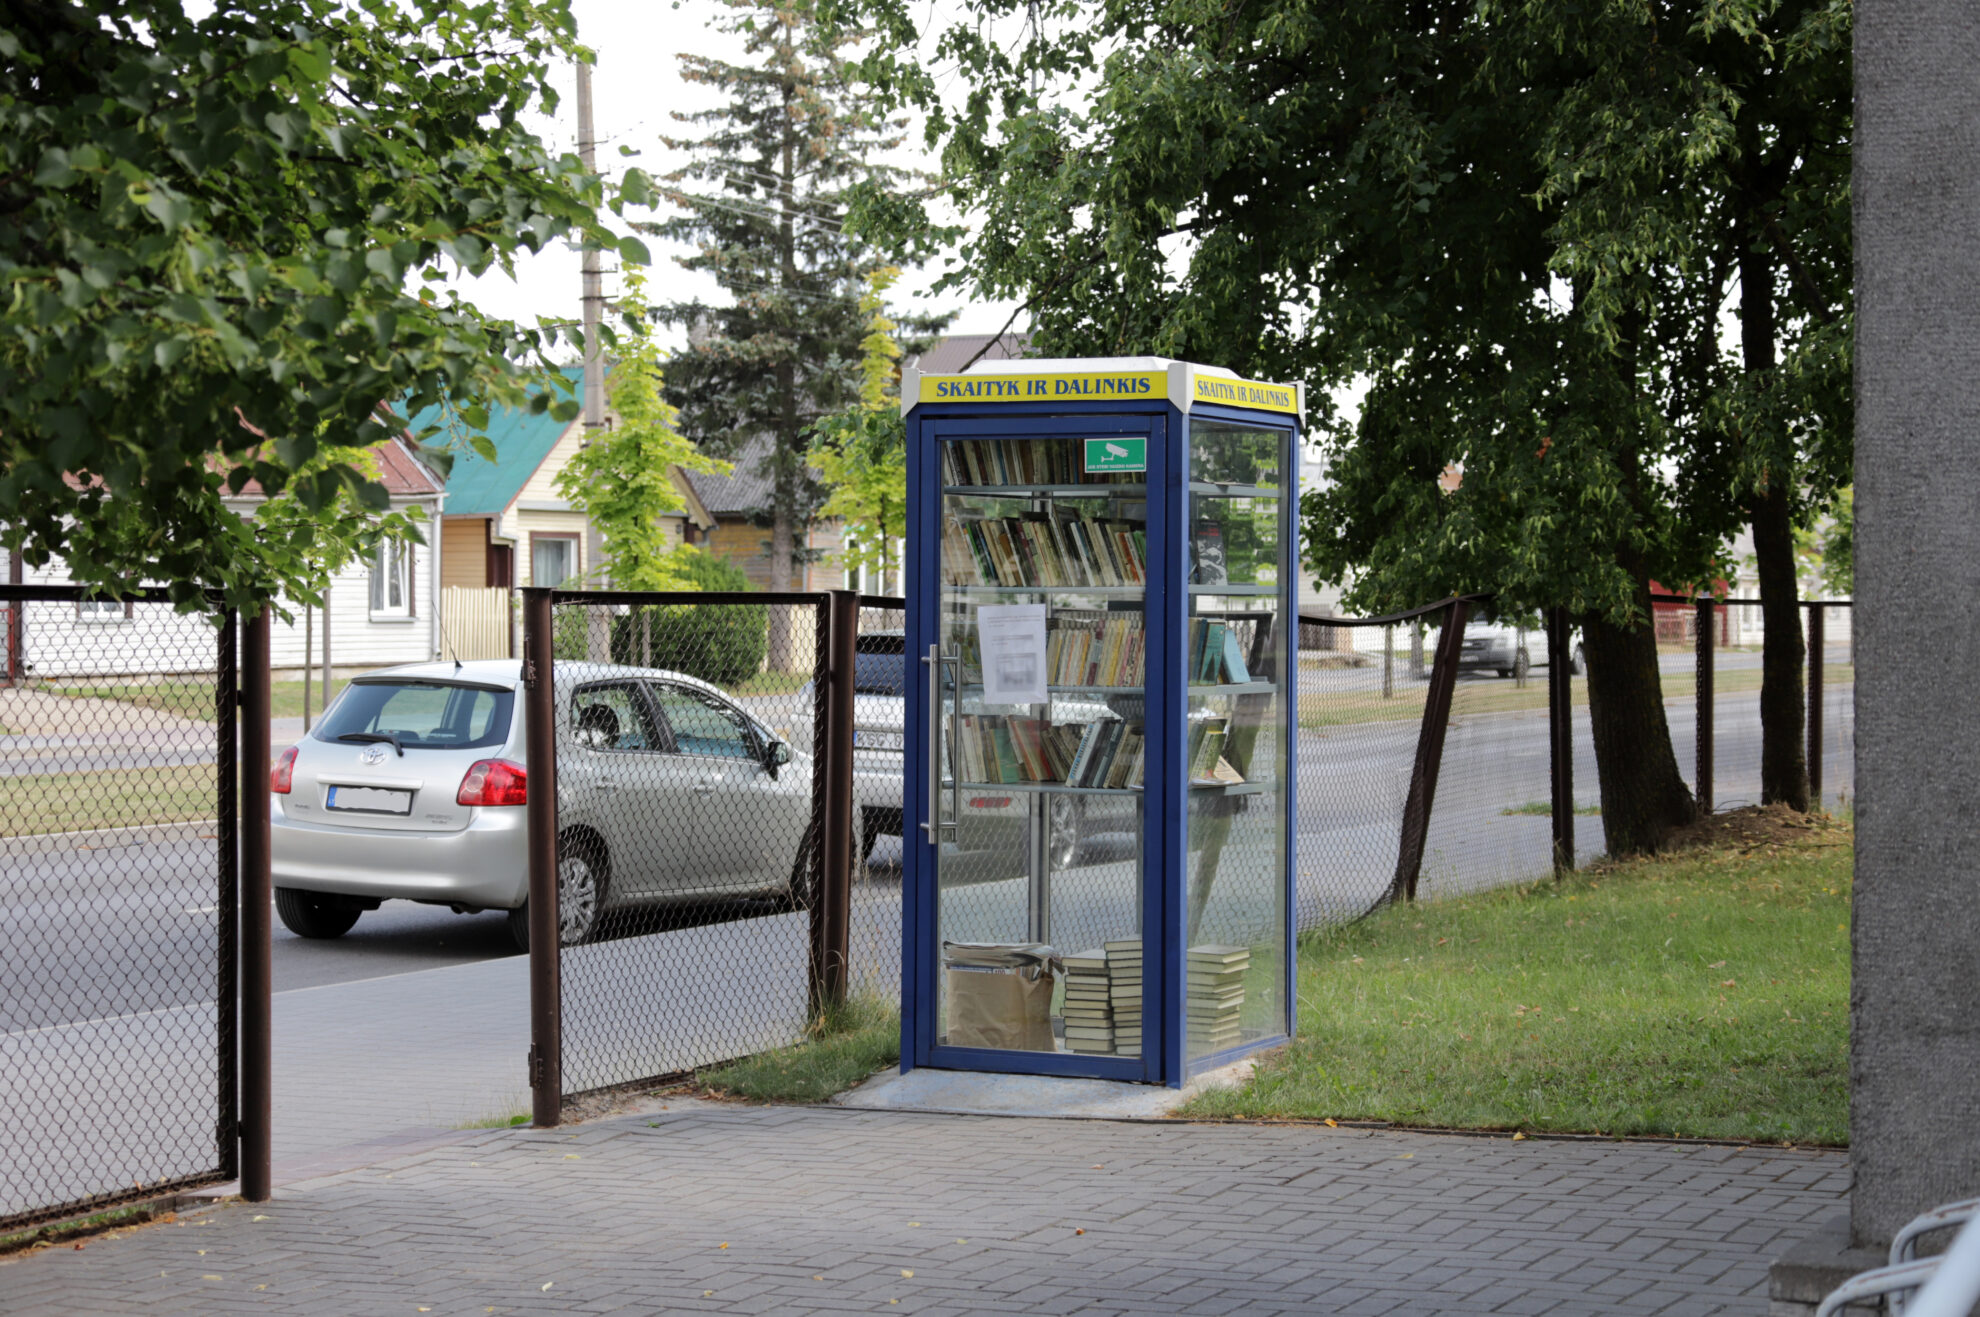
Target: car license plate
[369,800]
[870,740]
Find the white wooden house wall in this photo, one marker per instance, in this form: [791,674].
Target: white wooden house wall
[61,642]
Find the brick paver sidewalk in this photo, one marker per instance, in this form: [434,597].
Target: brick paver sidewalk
[783,1210]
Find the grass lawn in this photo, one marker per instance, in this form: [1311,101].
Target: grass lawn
[194,698]
[1704,993]
[843,1049]
[112,798]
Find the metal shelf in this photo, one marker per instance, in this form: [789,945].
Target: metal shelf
[1047,491]
[1259,590]
[1237,688]
[1232,788]
[1212,489]
[1047,788]
[1111,591]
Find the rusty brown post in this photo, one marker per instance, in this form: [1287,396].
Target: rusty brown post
[1815,706]
[1702,690]
[1429,753]
[257,911]
[1560,735]
[831,906]
[546,1013]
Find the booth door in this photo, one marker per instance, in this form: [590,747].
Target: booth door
[1039,688]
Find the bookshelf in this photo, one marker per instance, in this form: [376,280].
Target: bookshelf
[1102,557]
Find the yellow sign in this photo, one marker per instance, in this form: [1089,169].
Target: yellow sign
[1246,393]
[1111,387]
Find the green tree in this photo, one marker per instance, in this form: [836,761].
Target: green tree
[225,246]
[861,451]
[762,204]
[1516,223]
[621,478]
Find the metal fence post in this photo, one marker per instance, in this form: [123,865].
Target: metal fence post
[257,913]
[1388,663]
[1702,689]
[1560,735]
[1815,706]
[546,1050]
[227,896]
[1429,754]
[831,906]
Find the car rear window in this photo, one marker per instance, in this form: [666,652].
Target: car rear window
[423,715]
[879,674]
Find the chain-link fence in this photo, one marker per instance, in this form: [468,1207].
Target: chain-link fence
[688,827]
[1369,692]
[118,902]
[1363,686]
[1711,654]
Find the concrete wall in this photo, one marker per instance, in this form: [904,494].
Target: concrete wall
[1915,1009]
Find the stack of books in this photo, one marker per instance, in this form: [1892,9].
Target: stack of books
[1089,1009]
[1124,985]
[1216,997]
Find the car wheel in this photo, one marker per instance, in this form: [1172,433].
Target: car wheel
[314,914]
[1522,665]
[869,837]
[1505,672]
[580,889]
[580,894]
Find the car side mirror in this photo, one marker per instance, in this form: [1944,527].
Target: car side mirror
[776,756]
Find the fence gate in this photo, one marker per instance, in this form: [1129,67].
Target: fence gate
[674,766]
[118,902]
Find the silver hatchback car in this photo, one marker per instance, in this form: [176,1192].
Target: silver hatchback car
[413,787]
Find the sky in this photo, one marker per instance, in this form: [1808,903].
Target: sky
[636,88]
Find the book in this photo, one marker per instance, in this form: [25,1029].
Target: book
[1236,671]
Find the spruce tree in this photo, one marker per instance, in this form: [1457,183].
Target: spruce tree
[762,203]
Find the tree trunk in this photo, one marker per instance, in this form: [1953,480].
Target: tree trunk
[1783,712]
[1643,794]
[1783,708]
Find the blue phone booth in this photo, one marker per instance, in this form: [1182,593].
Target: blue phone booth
[1102,632]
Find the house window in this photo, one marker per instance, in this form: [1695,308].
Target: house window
[102,610]
[391,579]
[553,559]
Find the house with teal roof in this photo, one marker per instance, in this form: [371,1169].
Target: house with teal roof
[506,524]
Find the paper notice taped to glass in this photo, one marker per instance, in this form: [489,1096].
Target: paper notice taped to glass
[1011,638]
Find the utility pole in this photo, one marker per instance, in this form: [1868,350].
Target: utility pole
[594,312]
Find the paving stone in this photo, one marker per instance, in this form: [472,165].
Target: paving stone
[630,1214]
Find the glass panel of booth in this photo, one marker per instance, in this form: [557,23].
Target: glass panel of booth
[1043,569]
[1235,753]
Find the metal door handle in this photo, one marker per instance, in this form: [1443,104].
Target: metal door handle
[934,825]
[704,788]
[608,784]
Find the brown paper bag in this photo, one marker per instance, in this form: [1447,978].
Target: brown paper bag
[1000,997]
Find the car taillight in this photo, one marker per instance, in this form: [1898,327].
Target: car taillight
[494,782]
[283,775]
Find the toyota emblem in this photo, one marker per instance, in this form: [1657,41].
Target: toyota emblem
[372,755]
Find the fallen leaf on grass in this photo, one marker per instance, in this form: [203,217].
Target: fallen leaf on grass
[1518,1137]
[1717,964]
[1331,1123]
[1730,983]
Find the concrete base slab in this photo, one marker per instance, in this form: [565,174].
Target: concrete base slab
[1803,1276]
[972,1093]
